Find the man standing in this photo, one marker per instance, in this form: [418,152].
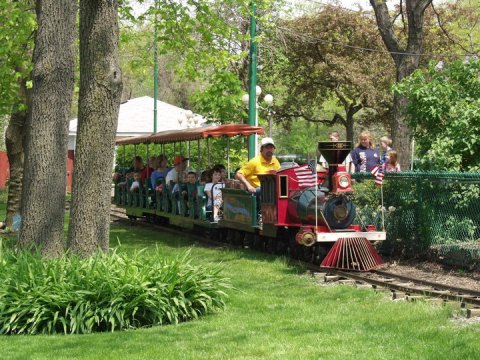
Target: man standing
[260,164]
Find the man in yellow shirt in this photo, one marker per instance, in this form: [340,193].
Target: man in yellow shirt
[260,164]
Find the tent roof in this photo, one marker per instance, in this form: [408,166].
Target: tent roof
[193,134]
[136,117]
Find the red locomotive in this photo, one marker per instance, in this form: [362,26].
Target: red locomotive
[311,213]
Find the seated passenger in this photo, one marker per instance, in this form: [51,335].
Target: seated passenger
[191,179]
[214,194]
[223,171]
[137,166]
[175,174]
[206,177]
[147,172]
[160,172]
[135,187]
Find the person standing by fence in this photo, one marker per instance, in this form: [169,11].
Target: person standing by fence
[391,163]
[385,147]
[365,156]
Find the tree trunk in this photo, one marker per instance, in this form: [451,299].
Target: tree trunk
[15,153]
[99,102]
[43,198]
[349,123]
[14,141]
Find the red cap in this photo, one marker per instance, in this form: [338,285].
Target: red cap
[179,159]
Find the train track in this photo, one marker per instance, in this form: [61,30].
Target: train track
[400,286]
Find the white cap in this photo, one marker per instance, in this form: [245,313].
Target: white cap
[267,141]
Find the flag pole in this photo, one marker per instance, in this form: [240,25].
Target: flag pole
[383,208]
[316,193]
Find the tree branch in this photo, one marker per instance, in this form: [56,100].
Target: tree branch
[445,32]
[337,118]
[385,27]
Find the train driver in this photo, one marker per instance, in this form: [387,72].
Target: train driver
[260,164]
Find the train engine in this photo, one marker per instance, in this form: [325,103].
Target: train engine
[316,205]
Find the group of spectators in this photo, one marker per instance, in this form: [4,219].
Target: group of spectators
[366,155]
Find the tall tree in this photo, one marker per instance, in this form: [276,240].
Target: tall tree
[318,59]
[43,196]
[406,56]
[99,102]
[18,19]
[14,141]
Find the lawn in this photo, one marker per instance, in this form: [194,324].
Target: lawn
[276,311]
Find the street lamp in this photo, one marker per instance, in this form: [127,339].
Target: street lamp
[268,100]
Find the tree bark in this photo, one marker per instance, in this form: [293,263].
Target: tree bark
[15,153]
[99,102]
[406,62]
[43,197]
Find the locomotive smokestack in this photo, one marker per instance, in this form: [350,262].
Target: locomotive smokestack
[335,152]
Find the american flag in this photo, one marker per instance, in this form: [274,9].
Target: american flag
[378,173]
[307,174]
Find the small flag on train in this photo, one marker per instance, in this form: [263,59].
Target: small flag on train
[375,170]
[305,176]
[379,178]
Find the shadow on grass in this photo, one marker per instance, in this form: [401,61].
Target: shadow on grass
[131,237]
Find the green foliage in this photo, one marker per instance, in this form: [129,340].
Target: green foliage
[105,292]
[444,113]
[221,99]
[313,61]
[16,33]
[301,139]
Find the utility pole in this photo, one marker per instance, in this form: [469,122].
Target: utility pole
[155,71]
[252,76]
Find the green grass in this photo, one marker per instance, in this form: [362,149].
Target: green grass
[276,312]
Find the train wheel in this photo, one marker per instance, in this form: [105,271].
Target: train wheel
[292,249]
[238,238]
[305,253]
[271,245]
[319,253]
[281,247]
[258,243]
[248,240]
[229,239]
[222,235]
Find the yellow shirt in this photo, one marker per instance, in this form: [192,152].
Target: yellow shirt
[258,165]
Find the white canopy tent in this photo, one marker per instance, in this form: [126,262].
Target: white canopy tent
[136,118]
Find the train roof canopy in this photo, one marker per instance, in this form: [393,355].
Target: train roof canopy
[198,133]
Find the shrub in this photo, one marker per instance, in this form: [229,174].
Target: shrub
[105,292]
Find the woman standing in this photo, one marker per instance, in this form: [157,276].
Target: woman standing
[365,156]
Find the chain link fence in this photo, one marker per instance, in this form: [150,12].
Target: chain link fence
[424,213]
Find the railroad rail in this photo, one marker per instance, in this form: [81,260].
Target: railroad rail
[401,286]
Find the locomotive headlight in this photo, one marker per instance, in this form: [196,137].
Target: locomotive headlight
[344,182]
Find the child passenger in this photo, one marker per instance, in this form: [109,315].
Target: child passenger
[136,182]
[391,163]
[191,179]
[214,194]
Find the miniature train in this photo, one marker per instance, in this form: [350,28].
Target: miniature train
[305,211]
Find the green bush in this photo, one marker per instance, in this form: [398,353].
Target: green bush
[105,292]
